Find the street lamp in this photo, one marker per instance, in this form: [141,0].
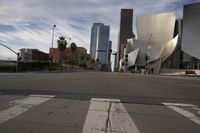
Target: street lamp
[54,26]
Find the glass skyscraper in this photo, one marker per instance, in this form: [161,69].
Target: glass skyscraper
[100,44]
[93,41]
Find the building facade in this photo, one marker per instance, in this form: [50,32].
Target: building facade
[100,46]
[93,41]
[190,39]
[164,43]
[176,59]
[126,31]
[68,55]
[155,43]
[32,55]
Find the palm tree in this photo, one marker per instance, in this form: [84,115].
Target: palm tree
[62,44]
[73,48]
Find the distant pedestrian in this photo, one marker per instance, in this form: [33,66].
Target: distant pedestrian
[152,70]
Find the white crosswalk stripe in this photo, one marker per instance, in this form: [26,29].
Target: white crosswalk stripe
[180,108]
[107,116]
[22,105]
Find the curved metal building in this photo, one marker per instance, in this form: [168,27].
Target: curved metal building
[191,30]
[155,42]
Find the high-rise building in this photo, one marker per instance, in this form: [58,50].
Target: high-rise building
[126,31]
[100,45]
[93,41]
[103,35]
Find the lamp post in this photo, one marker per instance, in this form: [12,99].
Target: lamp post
[54,26]
[51,54]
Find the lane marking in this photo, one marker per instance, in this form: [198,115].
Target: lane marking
[36,95]
[177,107]
[180,104]
[96,119]
[105,100]
[22,105]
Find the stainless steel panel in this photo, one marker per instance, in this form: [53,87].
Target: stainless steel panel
[191,30]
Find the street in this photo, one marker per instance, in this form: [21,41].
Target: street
[97,102]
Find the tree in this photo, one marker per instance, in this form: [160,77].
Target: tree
[82,57]
[73,48]
[62,44]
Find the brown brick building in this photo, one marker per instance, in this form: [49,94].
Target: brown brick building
[68,55]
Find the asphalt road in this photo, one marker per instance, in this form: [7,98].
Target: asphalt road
[148,104]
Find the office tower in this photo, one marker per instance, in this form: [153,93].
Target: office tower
[100,46]
[103,35]
[126,31]
[93,41]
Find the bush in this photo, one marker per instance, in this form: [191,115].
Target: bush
[72,62]
[7,68]
[83,65]
[32,66]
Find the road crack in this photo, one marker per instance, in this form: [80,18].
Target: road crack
[108,121]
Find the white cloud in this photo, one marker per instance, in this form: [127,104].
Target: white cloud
[33,19]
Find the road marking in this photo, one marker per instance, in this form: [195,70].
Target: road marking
[180,104]
[179,107]
[22,105]
[119,119]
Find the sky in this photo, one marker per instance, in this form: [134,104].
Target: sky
[28,23]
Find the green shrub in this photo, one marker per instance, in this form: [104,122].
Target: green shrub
[7,68]
[32,66]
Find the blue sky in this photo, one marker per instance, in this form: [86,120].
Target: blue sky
[28,23]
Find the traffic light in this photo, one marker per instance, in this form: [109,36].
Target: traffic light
[18,56]
[50,59]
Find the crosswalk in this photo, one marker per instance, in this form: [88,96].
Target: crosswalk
[182,109]
[111,116]
[22,105]
[46,113]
